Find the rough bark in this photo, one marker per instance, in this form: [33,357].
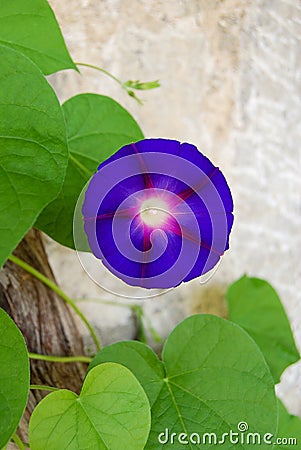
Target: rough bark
[45,320]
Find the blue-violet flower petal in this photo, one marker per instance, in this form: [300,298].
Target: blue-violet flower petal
[158,213]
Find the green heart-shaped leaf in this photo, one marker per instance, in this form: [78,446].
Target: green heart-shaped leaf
[289,429]
[14,377]
[255,306]
[33,151]
[97,126]
[139,358]
[112,412]
[30,27]
[212,377]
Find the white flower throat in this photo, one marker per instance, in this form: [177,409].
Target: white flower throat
[154,212]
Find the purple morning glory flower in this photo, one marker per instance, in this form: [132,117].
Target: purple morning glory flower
[158,213]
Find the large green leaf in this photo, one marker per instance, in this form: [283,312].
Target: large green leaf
[289,430]
[30,27]
[255,306]
[112,412]
[212,377]
[97,126]
[14,377]
[33,150]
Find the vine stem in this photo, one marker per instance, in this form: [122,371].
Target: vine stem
[62,294]
[113,77]
[41,387]
[15,438]
[60,359]
[100,69]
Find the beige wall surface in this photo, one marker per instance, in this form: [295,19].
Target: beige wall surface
[230,78]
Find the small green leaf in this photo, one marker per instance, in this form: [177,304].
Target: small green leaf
[255,306]
[97,126]
[112,412]
[14,377]
[30,27]
[289,427]
[133,95]
[33,150]
[141,85]
[212,377]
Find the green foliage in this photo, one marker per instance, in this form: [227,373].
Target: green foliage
[112,412]
[140,359]
[289,426]
[212,377]
[14,377]
[129,85]
[33,152]
[141,85]
[30,27]
[97,126]
[255,306]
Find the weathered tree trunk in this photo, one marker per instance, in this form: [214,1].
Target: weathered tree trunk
[45,320]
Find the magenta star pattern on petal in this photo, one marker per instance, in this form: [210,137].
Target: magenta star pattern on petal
[158,213]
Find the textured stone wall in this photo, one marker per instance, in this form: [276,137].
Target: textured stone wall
[230,75]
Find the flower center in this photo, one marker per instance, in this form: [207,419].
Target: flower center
[153,212]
